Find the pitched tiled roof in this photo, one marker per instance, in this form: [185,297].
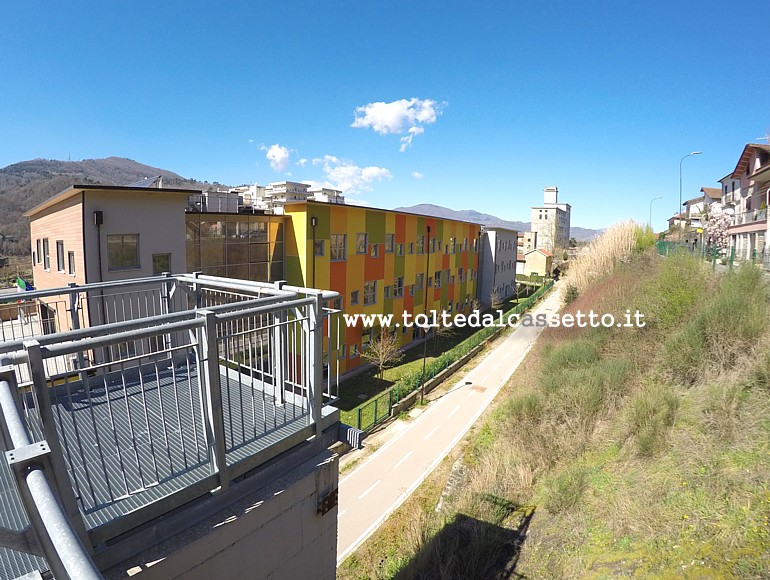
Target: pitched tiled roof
[712,192]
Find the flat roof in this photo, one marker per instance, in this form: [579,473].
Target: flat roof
[73,190]
[326,203]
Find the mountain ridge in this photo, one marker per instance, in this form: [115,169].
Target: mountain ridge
[489,220]
[25,184]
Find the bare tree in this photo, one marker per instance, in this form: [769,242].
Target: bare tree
[440,332]
[495,300]
[383,351]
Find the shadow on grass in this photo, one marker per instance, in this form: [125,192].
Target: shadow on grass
[467,547]
[365,385]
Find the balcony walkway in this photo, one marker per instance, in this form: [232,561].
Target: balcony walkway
[134,439]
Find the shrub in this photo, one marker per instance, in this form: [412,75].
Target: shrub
[681,283]
[644,238]
[728,324]
[526,408]
[564,490]
[576,353]
[570,294]
[652,412]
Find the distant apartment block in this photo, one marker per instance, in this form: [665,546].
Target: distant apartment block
[499,248]
[551,221]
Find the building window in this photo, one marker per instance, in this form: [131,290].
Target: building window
[354,297]
[411,247]
[420,244]
[374,251]
[335,304]
[71,263]
[399,249]
[370,292]
[122,251]
[361,243]
[46,254]
[459,274]
[432,245]
[318,247]
[419,280]
[341,352]
[410,289]
[60,255]
[398,287]
[338,244]
[390,240]
[437,279]
[161,263]
[386,293]
[39,253]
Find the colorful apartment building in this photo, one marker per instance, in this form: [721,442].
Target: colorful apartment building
[376,259]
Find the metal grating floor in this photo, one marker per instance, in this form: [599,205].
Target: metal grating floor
[136,438]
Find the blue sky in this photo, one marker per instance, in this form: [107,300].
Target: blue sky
[601,98]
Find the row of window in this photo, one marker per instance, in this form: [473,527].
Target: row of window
[396,290]
[122,254]
[65,263]
[368,334]
[338,246]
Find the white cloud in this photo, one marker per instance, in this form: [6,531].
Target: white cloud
[405,115]
[349,178]
[302,162]
[417,175]
[278,156]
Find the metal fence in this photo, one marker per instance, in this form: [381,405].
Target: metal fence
[155,392]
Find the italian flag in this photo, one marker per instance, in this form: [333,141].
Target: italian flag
[22,284]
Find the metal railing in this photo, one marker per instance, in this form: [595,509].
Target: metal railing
[749,217]
[155,392]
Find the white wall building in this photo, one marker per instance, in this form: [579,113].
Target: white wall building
[551,221]
[499,247]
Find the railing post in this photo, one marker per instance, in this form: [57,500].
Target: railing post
[211,394]
[279,350]
[167,291]
[316,375]
[75,324]
[60,474]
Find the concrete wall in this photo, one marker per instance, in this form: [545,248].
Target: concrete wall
[157,216]
[276,534]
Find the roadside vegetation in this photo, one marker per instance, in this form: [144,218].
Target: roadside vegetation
[615,452]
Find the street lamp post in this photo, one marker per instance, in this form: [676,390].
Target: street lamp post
[679,209]
[653,199]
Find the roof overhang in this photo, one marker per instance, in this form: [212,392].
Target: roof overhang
[74,190]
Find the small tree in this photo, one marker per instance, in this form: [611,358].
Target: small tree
[495,300]
[441,332]
[383,351]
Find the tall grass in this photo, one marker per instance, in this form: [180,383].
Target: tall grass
[600,256]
